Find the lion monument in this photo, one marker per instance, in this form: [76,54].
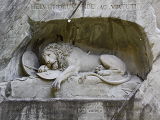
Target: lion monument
[71,60]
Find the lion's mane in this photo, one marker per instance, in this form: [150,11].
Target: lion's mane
[62,51]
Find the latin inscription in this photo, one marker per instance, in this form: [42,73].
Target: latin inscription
[60,6]
[91,108]
[124,6]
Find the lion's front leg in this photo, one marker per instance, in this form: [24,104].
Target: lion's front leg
[71,70]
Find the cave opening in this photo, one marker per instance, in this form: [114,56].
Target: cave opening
[125,39]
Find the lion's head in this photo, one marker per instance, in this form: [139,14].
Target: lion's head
[50,59]
[55,55]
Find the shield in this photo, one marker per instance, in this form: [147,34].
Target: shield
[50,74]
[30,63]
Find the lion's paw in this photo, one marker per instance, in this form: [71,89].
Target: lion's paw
[56,84]
[82,78]
[99,68]
[43,68]
[104,72]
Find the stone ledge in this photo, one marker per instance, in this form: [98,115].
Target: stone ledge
[90,88]
[64,109]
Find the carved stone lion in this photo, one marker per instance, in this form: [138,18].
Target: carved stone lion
[70,60]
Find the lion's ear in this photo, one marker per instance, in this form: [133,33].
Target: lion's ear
[42,58]
[42,55]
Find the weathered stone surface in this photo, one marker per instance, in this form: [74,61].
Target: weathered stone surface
[93,87]
[14,41]
[13,33]
[156,4]
[31,88]
[138,11]
[147,106]
[64,109]
[3,88]
[13,49]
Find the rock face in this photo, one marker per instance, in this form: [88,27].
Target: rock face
[3,91]
[16,36]
[156,4]
[138,11]
[147,105]
[14,32]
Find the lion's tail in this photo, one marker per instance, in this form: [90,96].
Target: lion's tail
[112,82]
